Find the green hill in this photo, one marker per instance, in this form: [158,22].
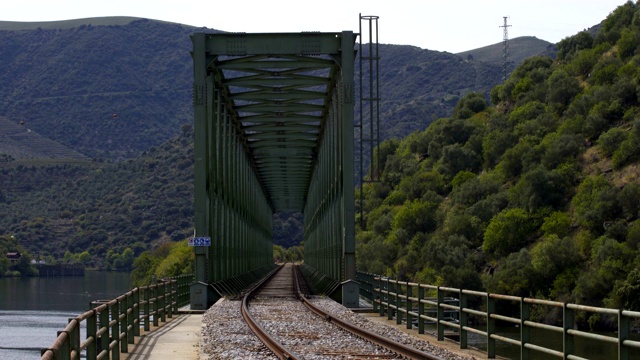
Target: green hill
[118,91]
[108,91]
[18,142]
[112,87]
[520,48]
[66,24]
[537,195]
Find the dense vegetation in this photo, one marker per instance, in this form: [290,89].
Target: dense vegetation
[537,195]
[105,91]
[22,267]
[118,90]
[113,211]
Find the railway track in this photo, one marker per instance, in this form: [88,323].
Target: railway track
[295,329]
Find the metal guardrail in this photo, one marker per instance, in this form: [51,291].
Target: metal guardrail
[408,300]
[111,325]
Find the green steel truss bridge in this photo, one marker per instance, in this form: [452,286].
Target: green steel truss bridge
[274,131]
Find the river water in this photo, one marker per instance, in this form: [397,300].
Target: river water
[33,310]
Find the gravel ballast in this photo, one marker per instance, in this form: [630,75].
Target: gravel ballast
[226,336]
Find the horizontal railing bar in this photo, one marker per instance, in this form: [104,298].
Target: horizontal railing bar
[101,355]
[592,336]
[474,292]
[544,350]
[543,302]
[474,312]
[505,318]
[86,342]
[429,318]
[543,326]
[506,339]
[631,343]
[474,330]
[628,313]
[574,357]
[451,307]
[449,289]
[453,325]
[505,297]
[593,309]
[101,331]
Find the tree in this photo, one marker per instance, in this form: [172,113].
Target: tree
[180,261]
[507,232]
[557,223]
[513,275]
[144,269]
[594,203]
[551,256]
[416,216]
[610,141]
[456,158]
[536,189]
[4,264]
[569,46]
[562,87]
[469,105]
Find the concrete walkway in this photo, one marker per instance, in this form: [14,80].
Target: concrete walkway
[176,340]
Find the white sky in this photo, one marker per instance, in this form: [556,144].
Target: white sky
[443,25]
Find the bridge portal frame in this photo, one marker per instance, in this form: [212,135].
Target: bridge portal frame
[237,191]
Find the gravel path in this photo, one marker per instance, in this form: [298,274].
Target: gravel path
[226,336]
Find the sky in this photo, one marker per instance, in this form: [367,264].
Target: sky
[442,25]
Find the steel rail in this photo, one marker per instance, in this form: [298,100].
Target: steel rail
[367,335]
[274,345]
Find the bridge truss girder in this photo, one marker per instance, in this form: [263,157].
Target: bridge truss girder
[274,131]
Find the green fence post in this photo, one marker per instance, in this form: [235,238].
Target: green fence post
[420,309]
[64,351]
[440,314]
[463,318]
[623,334]
[147,315]
[383,286]
[491,327]
[115,332]
[154,298]
[92,331]
[525,332]
[389,292]
[124,342]
[171,286]
[104,338]
[163,301]
[74,340]
[409,306]
[375,295]
[398,302]
[136,311]
[130,319]
[567,324]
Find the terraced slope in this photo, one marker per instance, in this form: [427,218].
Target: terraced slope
[20,142]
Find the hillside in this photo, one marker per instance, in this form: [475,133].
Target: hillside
[118,91]
[18,142]
[108,91]
[101,208]
[520,48]
[536,194]
[112,87]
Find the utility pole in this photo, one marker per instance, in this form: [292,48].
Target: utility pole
[505,49]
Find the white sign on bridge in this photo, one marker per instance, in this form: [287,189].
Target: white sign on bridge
[200,241]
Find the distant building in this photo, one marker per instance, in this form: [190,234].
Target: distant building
[14,256]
